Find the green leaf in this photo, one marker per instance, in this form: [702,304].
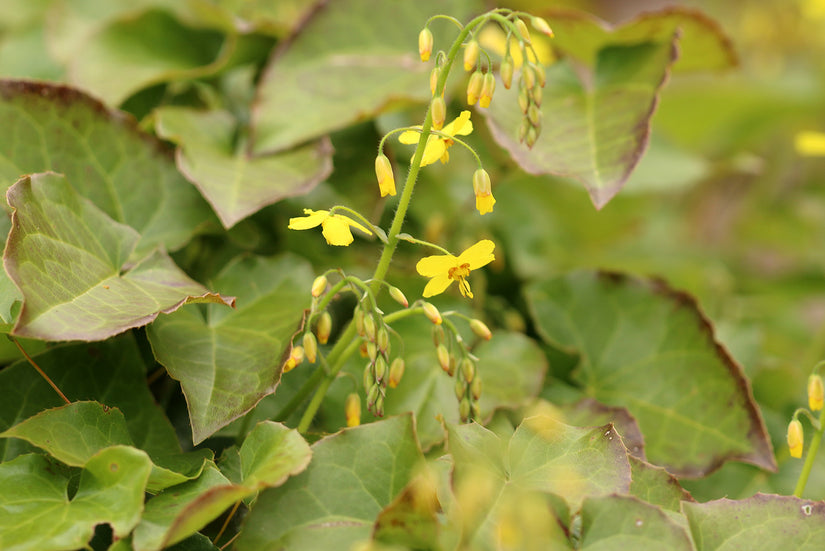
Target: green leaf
[703,44]
[351,61]
[136,51]
[105,157]
[110,372]
[235,182]
[271,453]
[543,456]
[656,486]
[652,351]
[596,128]
[228,359]
[588,412]
[68,259]
[623,522]
[411,519]
[759,522]
[32,489]
[353,475]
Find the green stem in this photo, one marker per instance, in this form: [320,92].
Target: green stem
[809,459]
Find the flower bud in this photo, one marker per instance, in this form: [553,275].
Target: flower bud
[438,335]
[474,87]
[372,351]
[468,369]
[434,74]
[369,327]
[425,44]
[296,356]
[534,114]
[379,406]
[432,313]
[816,393]
[529,76]
[443,357]
[522,130]
[796,438]
[475,411]
[324,327]
[439,112]
[471,55]
[373,394]
[369,378]
[464,409]
[380,368]
[524,100]
[541,26]
[531,137]
[451,367]
[480,329]
[382,339]
[310,347]
[487,90]
[483,191]
[396,372]
[522,30]
[475,387]
[362,348]
[536,95]
[398,296]
[352,410]
[506,72]
[460,389]
[541,75]
[319,286]
[386,179]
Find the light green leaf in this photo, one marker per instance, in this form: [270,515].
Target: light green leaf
[270,454]
[235,182]
[656,486]
[411,520]
[759,522]
[111,490]
[133,52]
[277,18]
[624,522]
[226,359]
[68,259]
[350,62]
[353,475]
[652,351]
[703,44]
[122,170]
[595,130]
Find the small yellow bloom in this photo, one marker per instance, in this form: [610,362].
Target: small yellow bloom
[483,191]
[425,44]
[795,438]
[352,410]
[296,356]
[386,179]
[443,269]
[335,227]
[816,393]
[437,146]
[810,143]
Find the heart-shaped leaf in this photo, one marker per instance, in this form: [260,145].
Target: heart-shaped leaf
[623,522]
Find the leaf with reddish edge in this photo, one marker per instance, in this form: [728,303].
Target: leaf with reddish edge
[596,123]
[625,522]
[70,262]
[652,351]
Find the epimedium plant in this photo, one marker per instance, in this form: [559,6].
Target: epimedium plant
[145,410]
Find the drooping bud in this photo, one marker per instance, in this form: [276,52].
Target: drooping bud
[373,394]
[443,357]
[324,327]
[352,410]
[796,438]
[523,99]
[369,327]
[432,313]
[534,114]
[369,378]
[537,95]
[319,286]
[522,130]
[506,72]
[541,75]
[468,369]
[372,351]
[425,44]
[816,393]
[451,368]
[398,296]
[464,409]
[362,348]
[380,368]
[483,191]
[396,372]
[358,316]
[438,335]
[386,179]
[474,87]
[471,55]
[480,329]
[379,406]
[475,387]
[460,389]
[522,30]
[439,112]
[541,26]
[296,356]
[487,90]
[531,137]
[529,76]
[382,339]
[310,347]
[475,411]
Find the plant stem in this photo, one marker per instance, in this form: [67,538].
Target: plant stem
[40,371]
[809,459]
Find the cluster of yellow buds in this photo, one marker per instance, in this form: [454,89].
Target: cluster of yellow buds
[531,81]
[308,349]
[455,359]
[816,399]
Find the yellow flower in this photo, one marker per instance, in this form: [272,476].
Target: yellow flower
[810,143]
[483,192]
[796,438]
[443,269]
[335,227]
[816,393]
[437,146]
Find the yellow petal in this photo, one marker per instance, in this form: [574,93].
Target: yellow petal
[410,136]
[810,143]
[432,266]
[336,231]
[437,285]
[305,222]
[434,150]
[461,126]
[484,203]
[478,255]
